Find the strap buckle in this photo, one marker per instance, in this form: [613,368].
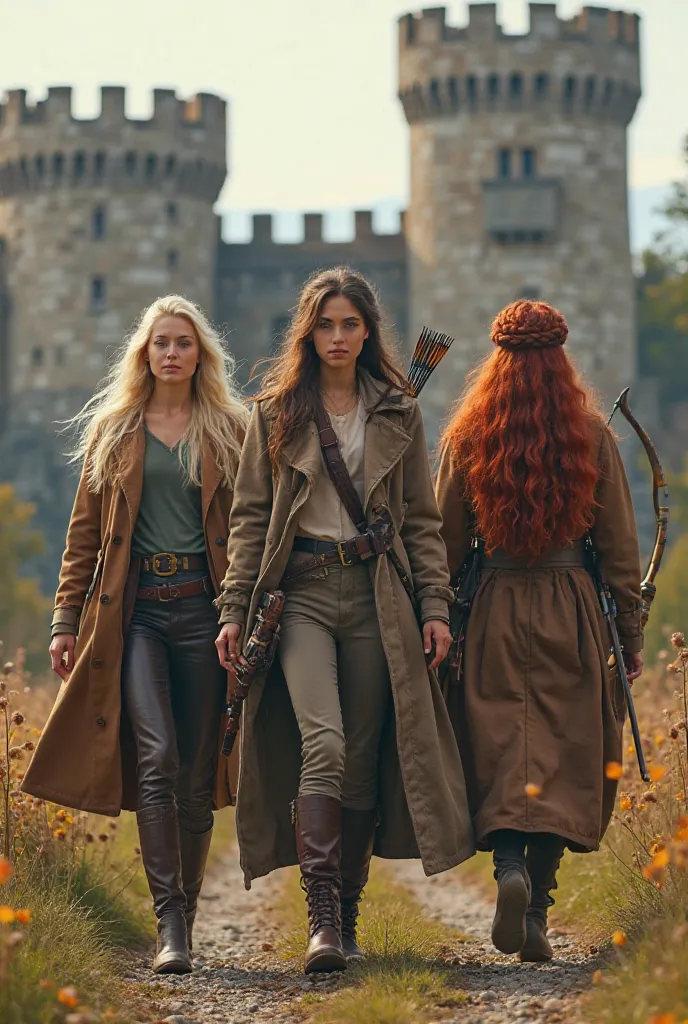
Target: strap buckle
[173,593]
[160,569]
[342,554]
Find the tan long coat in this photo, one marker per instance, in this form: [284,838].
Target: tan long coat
[537,703]
[85,757]
[423,806]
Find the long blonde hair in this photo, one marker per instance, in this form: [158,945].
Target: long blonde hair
[218,415]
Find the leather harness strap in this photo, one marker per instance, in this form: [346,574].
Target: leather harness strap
[336,467]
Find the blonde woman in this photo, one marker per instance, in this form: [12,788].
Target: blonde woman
[137,719]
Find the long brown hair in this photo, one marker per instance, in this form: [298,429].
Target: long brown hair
[291,380]
[523,436]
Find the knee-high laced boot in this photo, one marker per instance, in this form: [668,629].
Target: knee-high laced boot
[542,861]
[194,853]
[358,835]
[159,839]
[513,890]
[318,821]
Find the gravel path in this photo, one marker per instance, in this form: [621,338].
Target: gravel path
[238,978]
[501,989]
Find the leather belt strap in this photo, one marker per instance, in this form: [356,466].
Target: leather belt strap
[173,592]
[326,553]
[566,558]
[165,563]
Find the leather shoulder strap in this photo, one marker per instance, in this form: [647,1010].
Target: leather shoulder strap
[336,467]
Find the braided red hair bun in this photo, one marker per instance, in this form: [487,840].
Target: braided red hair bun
[526,324]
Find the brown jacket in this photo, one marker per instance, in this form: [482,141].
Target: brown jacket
[423,805]
[85,757]
[537,703]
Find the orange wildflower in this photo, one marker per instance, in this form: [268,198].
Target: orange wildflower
[613,770]
[625,803]
[619,938]
[23,916]
[663,1018]
[657,772]
[59,833]
[6,915]
[531,790]
[6,871]
[597,977]
[67,996]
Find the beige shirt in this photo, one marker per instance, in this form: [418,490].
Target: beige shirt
[323,516]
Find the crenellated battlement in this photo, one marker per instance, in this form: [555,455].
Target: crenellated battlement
[596,26]
[182,146]
[263,231]
[586,65]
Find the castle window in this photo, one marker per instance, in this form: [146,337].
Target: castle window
[24,170]
[172,213]
[37,356]
[39,166]
[98,294]
[151,166]
[569,90]
[170,165]
[172,259]
[590,89]
[528,163]
[99,165]
[493,88]
[98,224]
[504,163]
[79,165]
[453,92]
[130,162]
[529,291]
[541,85]
[58,166]
[472,91]
[435,101]
[608,92]
[516,87]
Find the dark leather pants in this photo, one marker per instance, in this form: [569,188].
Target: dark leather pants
[174,693]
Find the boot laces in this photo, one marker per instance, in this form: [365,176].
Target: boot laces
[349,918]
[323,905]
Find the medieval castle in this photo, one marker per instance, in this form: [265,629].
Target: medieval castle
[518,188]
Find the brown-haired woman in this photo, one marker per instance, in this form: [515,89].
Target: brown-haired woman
[349,727]
[528,465]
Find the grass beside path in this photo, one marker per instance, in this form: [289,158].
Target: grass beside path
[407,975]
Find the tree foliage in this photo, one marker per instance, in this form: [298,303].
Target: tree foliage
[23,608]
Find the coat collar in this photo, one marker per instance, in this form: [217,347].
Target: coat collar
[385,443]
[131,479]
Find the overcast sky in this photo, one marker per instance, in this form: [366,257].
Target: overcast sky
[314,120]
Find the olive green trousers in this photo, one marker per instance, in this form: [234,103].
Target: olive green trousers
[336,673]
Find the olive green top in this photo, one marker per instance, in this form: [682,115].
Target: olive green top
[170,516]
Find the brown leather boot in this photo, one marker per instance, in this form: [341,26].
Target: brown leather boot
[358,835]
[544,855]
[194,853]
[513,890]
[159,839]
[318,821]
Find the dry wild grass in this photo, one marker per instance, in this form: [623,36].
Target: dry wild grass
[407,975]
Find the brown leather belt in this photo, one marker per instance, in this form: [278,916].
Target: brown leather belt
[173,592]
[325,553]
[164,563]
[566,558]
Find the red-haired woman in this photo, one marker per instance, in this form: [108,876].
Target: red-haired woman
[349,728]
[529,466]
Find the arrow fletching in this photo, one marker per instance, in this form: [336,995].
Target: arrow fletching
[430,349]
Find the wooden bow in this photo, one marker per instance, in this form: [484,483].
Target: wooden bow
[661,504]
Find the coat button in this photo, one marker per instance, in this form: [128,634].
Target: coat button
[220,541]
[105,599]
[117,540]
[97,662]
[100,721]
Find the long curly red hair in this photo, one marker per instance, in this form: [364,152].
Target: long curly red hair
[523,436]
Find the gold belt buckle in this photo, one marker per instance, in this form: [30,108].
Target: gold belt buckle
[172,560]
[342,554]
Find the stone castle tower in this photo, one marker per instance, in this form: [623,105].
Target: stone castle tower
[518,179]
[97,218]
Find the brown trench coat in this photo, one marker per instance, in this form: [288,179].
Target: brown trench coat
[423,807]
[537,703]
[86,757]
